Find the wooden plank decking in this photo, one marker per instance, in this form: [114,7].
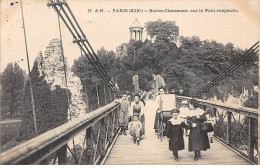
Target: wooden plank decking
[152,151]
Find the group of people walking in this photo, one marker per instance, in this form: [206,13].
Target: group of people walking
[191,118]
[133,112]
[188,118]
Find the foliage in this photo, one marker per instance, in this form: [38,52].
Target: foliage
[12,81]
[93,84]
[189,65]
[252,101]
[50,106]
[162,30]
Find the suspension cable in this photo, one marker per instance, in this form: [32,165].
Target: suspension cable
[64,66]
[29,71]
[80,39]
[65,74]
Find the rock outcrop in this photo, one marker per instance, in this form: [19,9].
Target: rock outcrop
[51,64]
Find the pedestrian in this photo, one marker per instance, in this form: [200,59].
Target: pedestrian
[198,139]
[184,113]
[124,114]
[158,110]
[137,108]
[174,131]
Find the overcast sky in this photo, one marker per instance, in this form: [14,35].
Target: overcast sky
[112,29]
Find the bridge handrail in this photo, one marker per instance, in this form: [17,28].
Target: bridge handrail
[68,130]
[250,112]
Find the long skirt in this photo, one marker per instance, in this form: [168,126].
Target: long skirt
[198,140]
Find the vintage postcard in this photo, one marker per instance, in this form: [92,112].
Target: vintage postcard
[144,82]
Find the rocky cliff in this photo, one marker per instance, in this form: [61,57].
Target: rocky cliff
[51,64]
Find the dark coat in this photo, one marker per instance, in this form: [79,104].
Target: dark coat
[198,140]
[175,133]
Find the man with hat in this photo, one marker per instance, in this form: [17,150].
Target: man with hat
[157,114]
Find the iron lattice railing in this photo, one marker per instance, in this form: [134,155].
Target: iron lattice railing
[100,128]
[235,127]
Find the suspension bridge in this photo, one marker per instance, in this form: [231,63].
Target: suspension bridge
[102,143]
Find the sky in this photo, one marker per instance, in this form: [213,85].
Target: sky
[110,29]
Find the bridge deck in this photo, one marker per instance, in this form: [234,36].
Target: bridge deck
[152,151]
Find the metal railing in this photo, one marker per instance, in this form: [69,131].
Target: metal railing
[100,127]
[236,127]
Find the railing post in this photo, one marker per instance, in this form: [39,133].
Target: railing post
[251,139]
[89,145]
[228,127]
[62,155]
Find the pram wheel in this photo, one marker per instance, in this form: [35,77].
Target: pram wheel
[161,130]
[164,116]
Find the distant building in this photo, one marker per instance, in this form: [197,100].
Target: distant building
[136,30]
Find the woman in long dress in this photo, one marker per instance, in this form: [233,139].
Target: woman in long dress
[137,109]
[198,140]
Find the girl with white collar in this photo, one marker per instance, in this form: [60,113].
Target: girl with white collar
[174,132]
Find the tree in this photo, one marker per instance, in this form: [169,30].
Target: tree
[177,76]
[12,82]
[162,30]
[51,107]
[60,106]
[91,80]
[18,100]
[7,87]
[124,80]
[164,34]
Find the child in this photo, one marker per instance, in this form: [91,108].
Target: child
[184,113]
[174,132]
[135,129]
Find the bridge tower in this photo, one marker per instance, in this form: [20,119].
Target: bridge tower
[136,31]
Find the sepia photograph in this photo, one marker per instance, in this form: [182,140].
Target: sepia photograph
[120,82]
